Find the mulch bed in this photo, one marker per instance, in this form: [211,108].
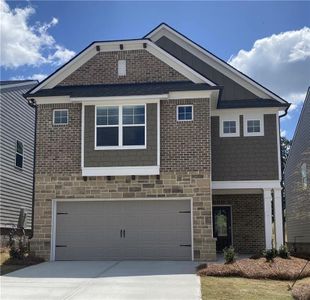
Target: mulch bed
[280,269]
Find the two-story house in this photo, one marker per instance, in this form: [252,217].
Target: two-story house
[154,148]
[17,126]
[297,184]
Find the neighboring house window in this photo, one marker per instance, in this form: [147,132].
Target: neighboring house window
[185,112]
[19,155]
[229,126]
[121,68]
[253,125]
[60,116]
[304,177]
[120,127]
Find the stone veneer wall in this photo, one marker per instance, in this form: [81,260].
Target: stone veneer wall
[247,221]
[175,184]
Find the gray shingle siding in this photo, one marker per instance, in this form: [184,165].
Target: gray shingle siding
[297,198]
[245,158]
[119,158]
[231,91]
[17,122]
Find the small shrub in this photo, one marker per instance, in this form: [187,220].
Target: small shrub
[18,251]
[270,254]
[201,267]
[229,254]
[283,252]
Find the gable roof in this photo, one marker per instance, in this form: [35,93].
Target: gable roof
[134,44]
[165,30]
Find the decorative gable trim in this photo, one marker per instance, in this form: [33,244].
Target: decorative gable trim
[212,60]
[89,52]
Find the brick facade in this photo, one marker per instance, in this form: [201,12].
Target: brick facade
[247,221]
[140,64]
[185,171]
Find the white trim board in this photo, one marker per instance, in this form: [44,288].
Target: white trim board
[54,215]
[120,171]
[212,60]
[246,184]
[91,51]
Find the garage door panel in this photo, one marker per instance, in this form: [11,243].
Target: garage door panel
[154,229]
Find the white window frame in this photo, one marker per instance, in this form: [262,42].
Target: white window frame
[22,155]
[304,176]
[230,117]
[120,128]
[253,117]
[185,105]
[60,109]
[121,67]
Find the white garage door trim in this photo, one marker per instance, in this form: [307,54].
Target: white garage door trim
[54,214]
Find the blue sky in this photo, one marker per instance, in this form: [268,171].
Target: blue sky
[224,28]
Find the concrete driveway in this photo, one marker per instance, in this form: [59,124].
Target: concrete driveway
[103,280]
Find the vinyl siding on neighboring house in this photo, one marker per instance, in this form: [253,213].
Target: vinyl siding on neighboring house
[297,198]
[245,158]
[17,121]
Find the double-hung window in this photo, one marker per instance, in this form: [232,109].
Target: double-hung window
[185,112]
[60,116]
[120,127]
[229,127]
[19,155]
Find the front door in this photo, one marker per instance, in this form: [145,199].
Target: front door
[222,226]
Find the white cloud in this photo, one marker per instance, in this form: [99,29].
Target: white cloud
[281,62]
[38,77]
[25,44]
[283,133]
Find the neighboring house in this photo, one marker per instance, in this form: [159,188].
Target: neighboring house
[297,184]
[17,130]
[154,148]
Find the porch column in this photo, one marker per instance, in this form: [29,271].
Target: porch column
[268,218]
[278,219]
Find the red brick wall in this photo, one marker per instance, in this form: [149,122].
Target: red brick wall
[58,148]
[185,145]
[141,67]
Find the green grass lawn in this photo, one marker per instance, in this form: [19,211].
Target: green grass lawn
[232,288]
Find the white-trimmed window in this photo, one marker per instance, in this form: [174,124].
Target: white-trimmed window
[185,112]
[120,127]
[121,68]
[19,155]
[60,116]
[229,126]
[304,177]
[253,125]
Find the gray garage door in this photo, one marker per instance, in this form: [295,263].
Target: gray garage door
[117,230]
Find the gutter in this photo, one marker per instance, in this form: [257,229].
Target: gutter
[282,177]
[33,104]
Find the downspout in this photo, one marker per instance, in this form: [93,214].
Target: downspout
[282,177]
[33,104]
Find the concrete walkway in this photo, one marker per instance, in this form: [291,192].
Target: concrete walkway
[103,280]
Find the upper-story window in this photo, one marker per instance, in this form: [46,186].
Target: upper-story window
[229,125]
[121,68]
[19,155]
[253,125]
[185,112]
[304,177]
[120,127]
[60,116]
